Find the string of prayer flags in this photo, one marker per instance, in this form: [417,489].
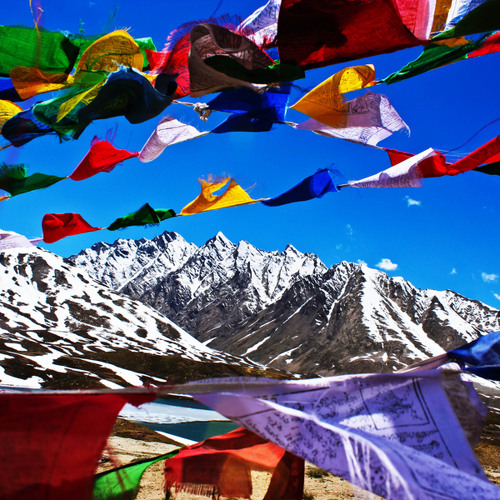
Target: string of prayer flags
[52,441]
[123,482]
[210,41]
[168,132]
[436,55]
[252,111]
[311,187]
[58,226]
[326,103]
[145,216]
[102,157]
[370,119]
[315,35]
[15,179]
[222,466]
[395,435]
[233,196]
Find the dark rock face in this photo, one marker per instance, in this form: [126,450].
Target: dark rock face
[287,310]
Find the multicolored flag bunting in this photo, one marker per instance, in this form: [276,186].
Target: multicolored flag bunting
[222,466]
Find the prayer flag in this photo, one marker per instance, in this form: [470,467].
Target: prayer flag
[7,110]
[29,82]
[222,466]
[326,103]
[261,27]
[482,354]
[51,442]
[314,34]
[9,239]
[206,200]
[395,435]
[15,179]
[24,127]
[58,226]
[209,40]
[123,483]
[50,52]
[102,157]
[144,216]
[168,132]
[311,187]
[369,119]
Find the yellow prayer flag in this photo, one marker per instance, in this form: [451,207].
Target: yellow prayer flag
[232,197]
[110,51]
[326,103]
[8,109]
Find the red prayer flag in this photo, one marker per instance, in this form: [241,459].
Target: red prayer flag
[58,226]
[102,157]
[487,153]
[51,442]
[222,465]
[315,33]
[434,166]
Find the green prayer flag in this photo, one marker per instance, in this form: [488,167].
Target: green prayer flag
[143,217]
[123,483]
[14,179]
[49,51]
[485,17]
[434,56]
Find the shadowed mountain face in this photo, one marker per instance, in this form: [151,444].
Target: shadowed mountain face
[288,310]
[61,328]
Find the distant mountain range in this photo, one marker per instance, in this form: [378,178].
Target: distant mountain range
[287,310]
[61,328]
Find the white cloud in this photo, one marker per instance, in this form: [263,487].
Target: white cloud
[497,296]
[412,203]
[361,262]
[453,271]
[349,230]
[489,278]
[387,265]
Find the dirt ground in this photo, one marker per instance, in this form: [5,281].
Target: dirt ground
[132,442]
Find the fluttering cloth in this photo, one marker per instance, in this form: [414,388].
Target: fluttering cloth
[252,111]
[145,216]
[102,157]
[395,435]
[311,187]
[326,102]
[168,132]
[51,442]
[370,118]
[8,109]
[15,179]
[58,226]
[314,33]
[222,466]
[207,200]
[210,40]
[261,27]
[9,239]
[24,127]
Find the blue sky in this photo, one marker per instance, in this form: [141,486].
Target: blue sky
[442,235]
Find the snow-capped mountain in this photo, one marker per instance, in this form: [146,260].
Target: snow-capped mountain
[288,310]
[61,328]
